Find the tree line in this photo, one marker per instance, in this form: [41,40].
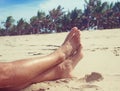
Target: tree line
[96,15]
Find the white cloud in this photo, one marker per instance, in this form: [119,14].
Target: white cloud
[67,4]
[26,11]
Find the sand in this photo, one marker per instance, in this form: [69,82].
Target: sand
[101,62]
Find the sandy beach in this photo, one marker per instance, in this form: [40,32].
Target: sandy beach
[101,62]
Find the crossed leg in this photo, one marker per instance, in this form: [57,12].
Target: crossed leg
[62,70]
[70,50]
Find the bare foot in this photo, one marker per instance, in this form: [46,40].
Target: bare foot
[70,35]
[70,44]
[65,68]
[62,70]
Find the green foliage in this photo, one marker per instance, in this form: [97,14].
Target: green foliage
[9,22]
[95,15]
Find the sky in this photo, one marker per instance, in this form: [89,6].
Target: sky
[27,8]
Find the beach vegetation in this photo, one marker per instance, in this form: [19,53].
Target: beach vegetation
[96,15]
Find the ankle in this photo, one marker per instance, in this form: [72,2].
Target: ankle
[60,55]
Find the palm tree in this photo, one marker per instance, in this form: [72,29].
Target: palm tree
[20,26]
[37,22]
[0,31]
[27,28]
[13,30]
[116,11]
[88,10]
[42,20]
[66,22]
[40,15]
[75,17]
[34,23]
[116,7]
[55,15]
[98,13]
[8,24]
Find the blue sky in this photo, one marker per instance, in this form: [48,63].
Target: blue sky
[27,8]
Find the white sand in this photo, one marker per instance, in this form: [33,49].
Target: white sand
[101,55]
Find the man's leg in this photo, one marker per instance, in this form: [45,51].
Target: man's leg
[22,71]
[62,70]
